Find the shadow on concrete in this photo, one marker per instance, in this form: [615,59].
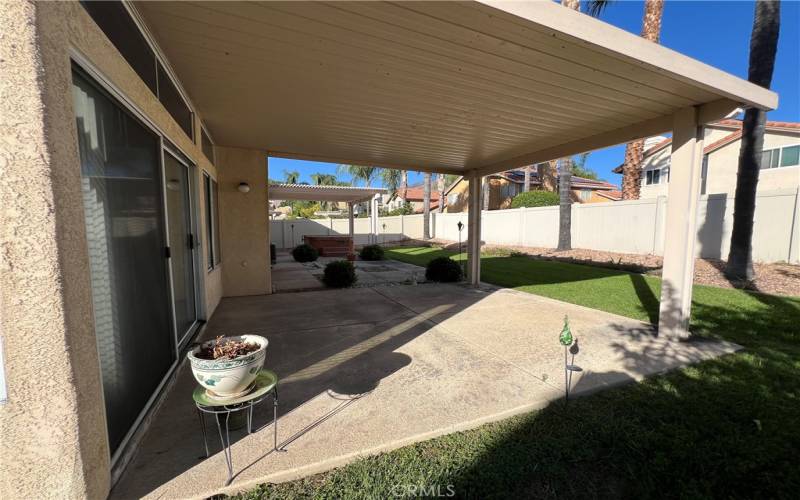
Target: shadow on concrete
[343,349]
[726,427]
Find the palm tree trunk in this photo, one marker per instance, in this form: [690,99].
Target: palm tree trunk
[404,186]
[565,204]
[526,186]
[763,48]
[565,180]
[634,151]
[426,206]
[440,182]
[487,185]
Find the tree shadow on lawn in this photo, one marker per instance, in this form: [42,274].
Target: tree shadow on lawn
[727,427]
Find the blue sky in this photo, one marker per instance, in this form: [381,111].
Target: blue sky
[717,33]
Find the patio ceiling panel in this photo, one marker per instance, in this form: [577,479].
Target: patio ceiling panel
[427,85]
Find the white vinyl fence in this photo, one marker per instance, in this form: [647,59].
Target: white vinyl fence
[623,226]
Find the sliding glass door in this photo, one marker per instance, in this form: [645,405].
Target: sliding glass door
[126,235]
[181,242]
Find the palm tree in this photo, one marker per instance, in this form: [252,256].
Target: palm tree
[321,179]
[404,186]
[634,151]
[426,206]
[391,178]
[291,176]
[565,180]
[526,185]
[594,8]
[763,49]
[440,181]
[358,172]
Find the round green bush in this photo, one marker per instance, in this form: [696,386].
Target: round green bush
[443,269]
[535,199]
[305,253]
[371,252]
[339,274]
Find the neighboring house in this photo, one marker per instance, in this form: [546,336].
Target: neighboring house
[722,140]
[415,196]
[503,187]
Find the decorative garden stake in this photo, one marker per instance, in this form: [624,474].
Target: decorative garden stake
[570,347]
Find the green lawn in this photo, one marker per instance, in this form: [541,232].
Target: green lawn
[728,427]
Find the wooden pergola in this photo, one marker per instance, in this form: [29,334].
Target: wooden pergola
[468,88]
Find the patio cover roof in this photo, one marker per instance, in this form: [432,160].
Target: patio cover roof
[435,86]
[322,193]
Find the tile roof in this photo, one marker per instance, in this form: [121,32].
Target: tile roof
[417,193]
[614,195]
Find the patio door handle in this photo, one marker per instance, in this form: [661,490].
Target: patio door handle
[190,241]
[167,253]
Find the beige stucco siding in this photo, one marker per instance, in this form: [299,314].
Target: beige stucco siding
[53,429]
[53,434]
[244,222]
[723,164]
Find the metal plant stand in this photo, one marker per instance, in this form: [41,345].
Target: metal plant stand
[266,384]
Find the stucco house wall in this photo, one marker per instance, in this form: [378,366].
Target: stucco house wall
[723,164]
[54,441]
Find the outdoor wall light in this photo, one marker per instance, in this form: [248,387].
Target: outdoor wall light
[244,187]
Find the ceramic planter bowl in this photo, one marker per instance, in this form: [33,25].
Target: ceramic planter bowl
[228,378]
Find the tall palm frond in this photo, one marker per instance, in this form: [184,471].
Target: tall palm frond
[291,176]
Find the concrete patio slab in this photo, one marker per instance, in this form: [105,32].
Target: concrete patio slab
[291,276]
[367,370]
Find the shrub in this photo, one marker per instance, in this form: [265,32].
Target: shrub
[535,199]
[305,253]
[371,252]
[339,274]
[443,269]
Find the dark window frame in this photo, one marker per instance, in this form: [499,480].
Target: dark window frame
[172,96]
[206,139]
[211,211]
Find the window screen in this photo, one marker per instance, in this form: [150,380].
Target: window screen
[171,99]
[115,21]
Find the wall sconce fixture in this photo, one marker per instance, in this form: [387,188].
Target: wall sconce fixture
[244,187]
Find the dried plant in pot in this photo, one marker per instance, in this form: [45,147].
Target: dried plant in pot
[228,366]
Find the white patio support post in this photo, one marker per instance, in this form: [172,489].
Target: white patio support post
[351,225]
[474,229]
[374,218]
[681,225]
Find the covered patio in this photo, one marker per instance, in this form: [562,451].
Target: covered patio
[372,369]
[468,88]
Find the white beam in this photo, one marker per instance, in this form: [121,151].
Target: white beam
[435,169]
[681,225]
[351,225]
[576,27]
[474,229]
[706,113]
